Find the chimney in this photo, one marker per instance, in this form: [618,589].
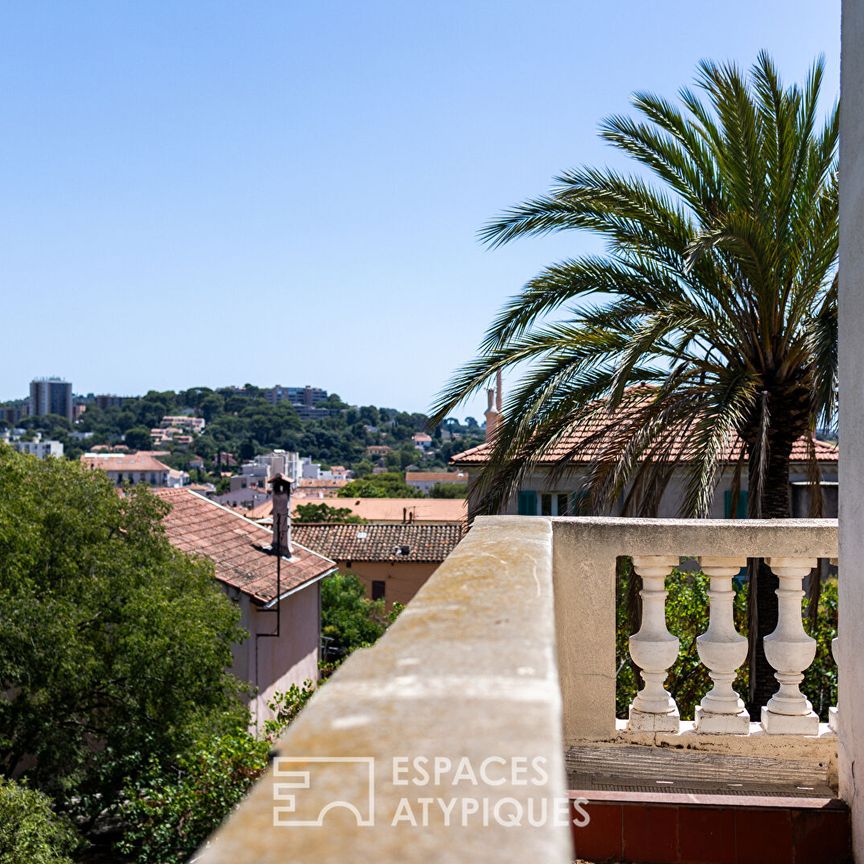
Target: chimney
[281,514]
[494,407]
[492,415]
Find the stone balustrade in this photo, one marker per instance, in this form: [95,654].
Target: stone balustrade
[585,553]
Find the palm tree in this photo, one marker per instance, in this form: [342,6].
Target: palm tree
[712,323]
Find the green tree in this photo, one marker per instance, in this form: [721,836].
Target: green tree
[714,314]
[385,485]
[349,619]
[30,830]
[113,645]
[176,804]
[449,490]
[137,438]
[325,513]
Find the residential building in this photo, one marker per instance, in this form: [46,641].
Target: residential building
[304,400]
[190,425]
[425,480]
[12,415]
[37,447]
[268,465]
[310,470]
[51,396]
[422,441]
[133,468]
[324,487]
[104,401]
[243,497]
[392,561]
[565,495]
[378,451]
[278,596]
[308,396]
[178,430]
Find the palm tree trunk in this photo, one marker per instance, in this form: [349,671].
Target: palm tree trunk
[773,503]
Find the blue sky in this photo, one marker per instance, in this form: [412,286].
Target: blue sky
[213,193]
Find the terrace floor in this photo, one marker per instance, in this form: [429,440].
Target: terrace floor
[675,771]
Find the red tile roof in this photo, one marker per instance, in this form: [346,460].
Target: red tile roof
[199,526]
[596,430]
[825,452]
[142,461]
[381,542]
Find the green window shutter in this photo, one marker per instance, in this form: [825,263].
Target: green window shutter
[741,511]
[527,503]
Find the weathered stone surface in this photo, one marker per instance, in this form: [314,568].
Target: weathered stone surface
[468,670]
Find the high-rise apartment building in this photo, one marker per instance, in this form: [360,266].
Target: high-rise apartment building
[51,396]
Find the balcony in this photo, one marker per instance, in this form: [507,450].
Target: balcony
[501,675]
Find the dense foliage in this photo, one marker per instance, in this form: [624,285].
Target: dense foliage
[175,805]
[349,619]
[242,423]
[326,513]
[687,618]
[113,645]
[449,490]
[286,706]
[30,830]
[385,485]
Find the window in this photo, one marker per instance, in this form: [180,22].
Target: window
[555,504]
[379,589]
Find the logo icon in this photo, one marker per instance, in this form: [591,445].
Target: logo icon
[293,809]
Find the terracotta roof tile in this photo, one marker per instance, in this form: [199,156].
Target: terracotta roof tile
[199,526]
[381,542]
[143,461]
[600,427]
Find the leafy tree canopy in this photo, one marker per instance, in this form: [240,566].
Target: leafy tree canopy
[326,513]
[30,830]
[113,645]
[386,485]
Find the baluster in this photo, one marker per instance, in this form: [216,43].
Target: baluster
[790,651]
[722,649]
[654,649]
[834,710]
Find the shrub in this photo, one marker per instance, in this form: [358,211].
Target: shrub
[173,807]
[30,831]
[286,706]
